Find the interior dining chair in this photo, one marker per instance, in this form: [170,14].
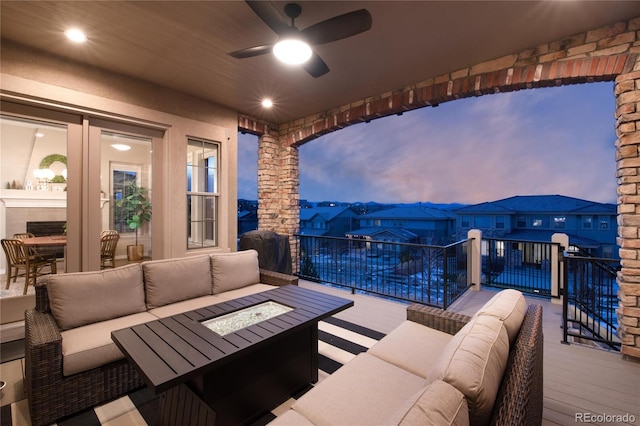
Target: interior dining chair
[32,250]
[19,257]
[24,235]
[108,243]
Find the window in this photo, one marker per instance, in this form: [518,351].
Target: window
[122,181]
[500,222]
[587,222]
[481,222]
[603,222]
[521,222]
[536,222]
[559,222]
[464,221]
[202,193]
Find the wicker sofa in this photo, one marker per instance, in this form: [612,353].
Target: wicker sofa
[72,364]
[439,368]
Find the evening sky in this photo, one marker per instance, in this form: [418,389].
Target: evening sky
[558,140]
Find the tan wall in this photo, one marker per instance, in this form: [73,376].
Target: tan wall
[35,78]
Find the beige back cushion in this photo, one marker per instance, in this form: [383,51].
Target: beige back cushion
[82,298]
[509,306]
[234,270]
[173,280]
[439,404]
[474,362]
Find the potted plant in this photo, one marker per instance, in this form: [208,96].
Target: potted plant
[138,212]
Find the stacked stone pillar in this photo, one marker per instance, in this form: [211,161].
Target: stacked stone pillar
[278,189]
[627,90]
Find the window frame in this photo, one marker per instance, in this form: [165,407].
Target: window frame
[203,193]
[559,222]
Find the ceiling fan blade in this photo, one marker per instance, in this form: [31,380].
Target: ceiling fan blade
[339,27]
[252,51]
[315,66]
[269,15]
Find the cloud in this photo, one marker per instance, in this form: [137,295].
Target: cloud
[541,141]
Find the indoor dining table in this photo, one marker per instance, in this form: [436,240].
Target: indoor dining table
[48,241]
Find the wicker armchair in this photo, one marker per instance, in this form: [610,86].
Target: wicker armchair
[519,400]
[52,395]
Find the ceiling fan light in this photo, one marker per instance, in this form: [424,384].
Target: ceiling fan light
[292,51]
[76,35]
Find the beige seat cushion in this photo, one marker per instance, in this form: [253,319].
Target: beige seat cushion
[172,280]
[508,305]
[90,346]
[244,291]
[234,270]
[439,404]
[362,392]
[474,362]
[82,298]
[185,306]
[412,346]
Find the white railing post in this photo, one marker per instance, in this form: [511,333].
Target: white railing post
[557,269]
[474,273]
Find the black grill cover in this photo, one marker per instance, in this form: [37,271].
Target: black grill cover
[274,253]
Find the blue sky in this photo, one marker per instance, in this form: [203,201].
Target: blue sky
[557,140]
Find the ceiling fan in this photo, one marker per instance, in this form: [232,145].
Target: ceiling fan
[330,30]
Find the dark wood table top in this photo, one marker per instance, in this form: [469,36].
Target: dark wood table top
[171,350]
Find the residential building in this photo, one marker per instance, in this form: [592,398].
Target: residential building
[247,221]
[247,216]
[590,226]
[327,221]
[407,224]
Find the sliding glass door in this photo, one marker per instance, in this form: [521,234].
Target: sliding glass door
[121,190]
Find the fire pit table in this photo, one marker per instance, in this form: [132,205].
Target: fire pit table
[229,363]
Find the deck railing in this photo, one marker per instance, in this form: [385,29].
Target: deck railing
[590,300]
[523,265]
[429,274]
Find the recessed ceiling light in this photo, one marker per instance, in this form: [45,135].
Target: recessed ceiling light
[120,147]
[39,135]
[76,35]
[267,103]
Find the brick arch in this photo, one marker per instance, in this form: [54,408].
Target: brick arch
[597,55]
[445,89]
[609,53]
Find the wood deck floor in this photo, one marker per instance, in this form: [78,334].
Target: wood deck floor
[578,380]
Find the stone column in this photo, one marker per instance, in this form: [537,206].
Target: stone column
[278,189]
[627,91]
